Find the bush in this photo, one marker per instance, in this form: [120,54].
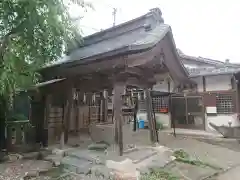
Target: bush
[18,117]
[159,125]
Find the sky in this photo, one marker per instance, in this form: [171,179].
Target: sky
[206,28]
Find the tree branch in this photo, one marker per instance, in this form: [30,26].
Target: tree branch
[6,39]
[4,44]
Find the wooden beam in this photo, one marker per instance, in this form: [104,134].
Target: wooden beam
[117,108]
[139,82]
[133,71]
[96,83]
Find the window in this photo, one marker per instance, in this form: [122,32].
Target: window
[160,102]
[224,104]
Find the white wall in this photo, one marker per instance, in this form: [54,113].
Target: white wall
[163,118]
[161,86]
[214,83]
[162,83]
[199,81]
[220,82]
[222,120]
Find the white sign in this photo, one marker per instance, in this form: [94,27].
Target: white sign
[211,110]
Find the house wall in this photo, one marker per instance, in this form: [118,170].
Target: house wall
[162,83]
[199,81]
[212,84]
[218,83]
[163,86]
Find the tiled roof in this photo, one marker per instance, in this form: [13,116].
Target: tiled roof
[218,68]
[138,35]
[194,72]
[141,33]
[201,59]
[206,60]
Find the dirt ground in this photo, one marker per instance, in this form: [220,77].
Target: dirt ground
[223,154]
[219,152]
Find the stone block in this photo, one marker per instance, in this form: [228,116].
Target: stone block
[78,166]
[102,132]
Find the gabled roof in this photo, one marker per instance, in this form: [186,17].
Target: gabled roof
[137,35]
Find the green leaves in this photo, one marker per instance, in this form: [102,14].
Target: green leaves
[32,33]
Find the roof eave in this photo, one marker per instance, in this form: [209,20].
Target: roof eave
[176,53]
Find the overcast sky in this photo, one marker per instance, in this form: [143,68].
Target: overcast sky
[207,28]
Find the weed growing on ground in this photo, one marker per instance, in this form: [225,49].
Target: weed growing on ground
[184,157]
[158,174]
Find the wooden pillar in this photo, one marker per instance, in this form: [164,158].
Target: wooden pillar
[117,110]
[236,89]
[149,108]
[67,114]
[76,106]
[48,102]
[204,83]
[135,113]
[105,105]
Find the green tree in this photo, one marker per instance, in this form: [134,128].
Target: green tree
[32,33]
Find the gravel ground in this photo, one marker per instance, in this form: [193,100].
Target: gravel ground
[220,153]
[20,168]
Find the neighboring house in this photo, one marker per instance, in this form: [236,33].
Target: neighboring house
[218,88]
[214,99]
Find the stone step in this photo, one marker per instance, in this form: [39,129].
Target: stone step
[76,165]
[97,157]
[140,154]
[156,161]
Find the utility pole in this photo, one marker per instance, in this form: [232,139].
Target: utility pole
[114,13]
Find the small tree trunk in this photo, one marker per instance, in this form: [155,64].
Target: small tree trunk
[3,110]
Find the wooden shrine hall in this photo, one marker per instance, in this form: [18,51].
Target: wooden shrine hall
[128,55]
